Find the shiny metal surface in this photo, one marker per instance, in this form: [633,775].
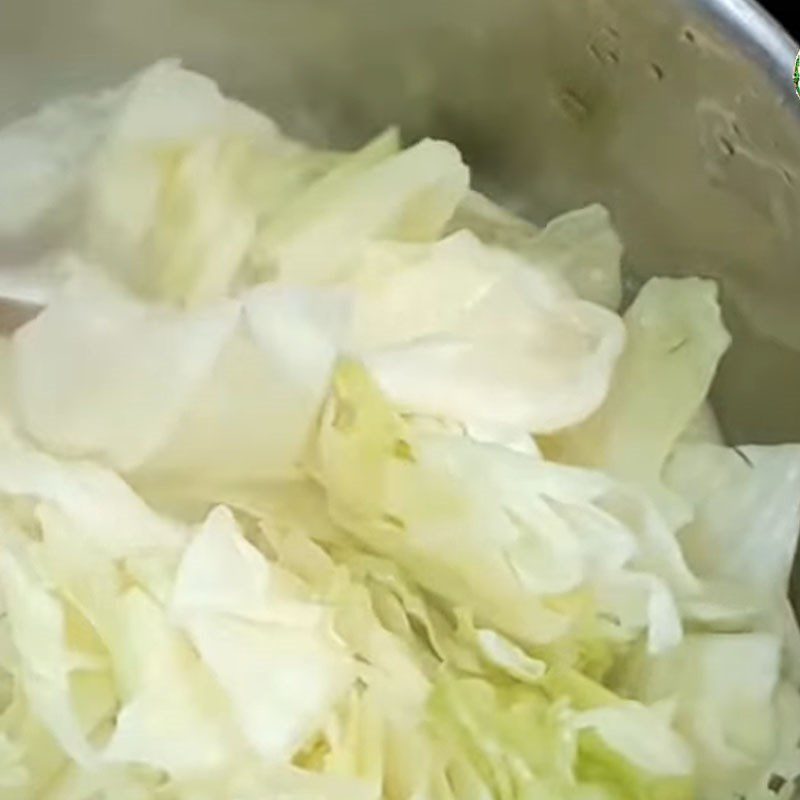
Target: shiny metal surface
[756,32]
[680,116]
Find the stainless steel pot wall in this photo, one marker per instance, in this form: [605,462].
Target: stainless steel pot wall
[679,116]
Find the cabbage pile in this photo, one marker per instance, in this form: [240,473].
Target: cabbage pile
[322,477]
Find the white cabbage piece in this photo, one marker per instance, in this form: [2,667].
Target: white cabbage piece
[92,499]
[37,621]
[222,573]
[66,157]
[491,222]
[510,658]
[169,203]
[746,515]
[253,416]
[409,196]
[36,757]
[92,581]
[226,392]
[272,652]
[412,291]
[584,249]
[166,177]
[675,340]
[190,213]
[29,755]
[176,719]
[167,103]
[641,735]
[99,373]
[704,427]
[45,157]
[723,688]
[13,774]
[581,246]
[318,198]
[525,353]
[519,442]
[202,223]
[640,601]
[659,552]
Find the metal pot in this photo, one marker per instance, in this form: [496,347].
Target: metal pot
[679,116]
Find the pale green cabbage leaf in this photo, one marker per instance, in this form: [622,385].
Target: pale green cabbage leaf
[526,354]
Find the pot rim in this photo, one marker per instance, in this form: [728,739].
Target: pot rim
[761,36]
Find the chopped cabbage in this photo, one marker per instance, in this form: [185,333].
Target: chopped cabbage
[525,353]
[324,477]
[746,514]
[408,196]
[675,341]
